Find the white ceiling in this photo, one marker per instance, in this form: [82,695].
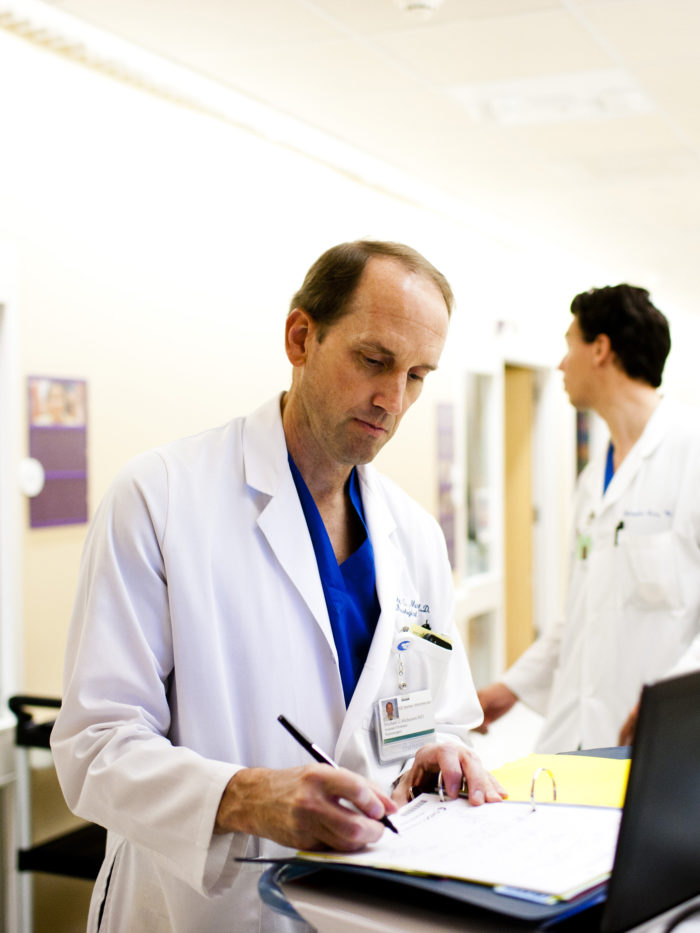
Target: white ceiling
[578,120]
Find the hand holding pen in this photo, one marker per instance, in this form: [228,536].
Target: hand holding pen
[304,807]
[319,755]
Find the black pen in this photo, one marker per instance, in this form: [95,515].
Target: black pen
[618,528]
[321,756]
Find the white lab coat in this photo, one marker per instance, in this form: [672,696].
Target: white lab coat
[200,617]
[633,604]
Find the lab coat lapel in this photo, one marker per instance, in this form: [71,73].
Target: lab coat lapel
[652,436]
[281,519]
[389,565]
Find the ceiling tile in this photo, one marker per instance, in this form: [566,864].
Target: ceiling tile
[179,28]
[626,135]
[540,43]
[648,30]
[636,168]
[326,75]
[372,17]
[673,86]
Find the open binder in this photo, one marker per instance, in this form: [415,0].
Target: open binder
[656,860]
[545,853]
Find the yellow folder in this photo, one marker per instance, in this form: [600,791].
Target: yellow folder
[579,779]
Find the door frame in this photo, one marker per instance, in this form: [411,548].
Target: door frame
[10,500]
[10,572]
[552,452]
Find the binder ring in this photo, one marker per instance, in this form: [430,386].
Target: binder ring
[532,786]
[463,791]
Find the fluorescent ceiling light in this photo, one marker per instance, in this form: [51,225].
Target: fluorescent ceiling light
[591,95]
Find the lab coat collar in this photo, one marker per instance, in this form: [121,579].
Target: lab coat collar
[265,448]
[654,432]
[281,518]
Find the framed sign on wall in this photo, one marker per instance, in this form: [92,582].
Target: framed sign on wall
[58,441]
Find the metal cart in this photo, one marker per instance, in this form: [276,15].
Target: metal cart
[75,854]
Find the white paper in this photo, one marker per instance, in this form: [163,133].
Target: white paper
[556,849]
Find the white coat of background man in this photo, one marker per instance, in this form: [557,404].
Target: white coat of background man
[258,569]
[633,603]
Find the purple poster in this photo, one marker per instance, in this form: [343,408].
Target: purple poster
[58,440]
[445,465]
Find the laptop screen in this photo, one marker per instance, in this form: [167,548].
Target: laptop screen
[657,860]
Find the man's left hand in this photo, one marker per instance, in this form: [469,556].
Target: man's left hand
[457,763]
[627,732]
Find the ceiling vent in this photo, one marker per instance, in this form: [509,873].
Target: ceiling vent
[594,95]
[419,9]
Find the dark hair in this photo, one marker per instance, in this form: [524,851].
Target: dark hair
[638,332]
[331,281]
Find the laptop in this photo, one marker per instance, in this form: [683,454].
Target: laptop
[657,858]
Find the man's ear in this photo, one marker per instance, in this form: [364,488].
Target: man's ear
[602,351]
[297,334]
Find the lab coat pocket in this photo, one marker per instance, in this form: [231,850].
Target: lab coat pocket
[650,577]
[433,660]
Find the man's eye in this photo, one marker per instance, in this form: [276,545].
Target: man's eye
[370,361]
[416,377]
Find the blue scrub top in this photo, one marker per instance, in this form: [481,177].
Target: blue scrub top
[609,467]
[350,589]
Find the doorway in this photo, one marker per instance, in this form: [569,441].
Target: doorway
[539,476]
[519,513]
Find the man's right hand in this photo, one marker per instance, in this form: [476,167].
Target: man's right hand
[495,700]
[301,808]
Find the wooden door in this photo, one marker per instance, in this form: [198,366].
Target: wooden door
[518,510]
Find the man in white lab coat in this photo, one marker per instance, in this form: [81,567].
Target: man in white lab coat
[633,603]
[259,569]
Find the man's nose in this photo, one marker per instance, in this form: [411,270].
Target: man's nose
[390,395]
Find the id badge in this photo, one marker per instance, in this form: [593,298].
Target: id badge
[404,723]
[583,546]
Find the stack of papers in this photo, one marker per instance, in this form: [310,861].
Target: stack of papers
[554,850]
[557,850]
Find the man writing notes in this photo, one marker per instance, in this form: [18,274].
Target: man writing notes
[259,569]
[633,603]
